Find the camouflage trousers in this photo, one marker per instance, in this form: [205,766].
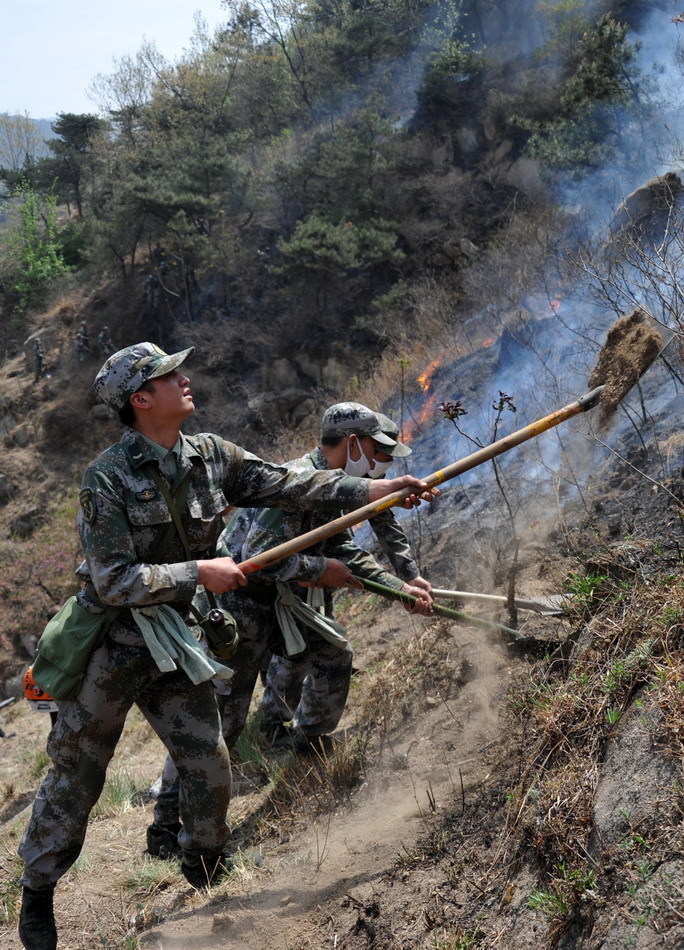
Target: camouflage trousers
[82,743]
[289,691]
[325,667]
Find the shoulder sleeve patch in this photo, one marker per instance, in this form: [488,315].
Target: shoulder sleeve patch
[87,503]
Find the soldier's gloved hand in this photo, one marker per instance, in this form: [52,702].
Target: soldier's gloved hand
[336,574]
[423,604]
[380,487]
[422,583]
[220,574]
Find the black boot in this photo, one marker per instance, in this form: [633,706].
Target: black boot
[37,929]
[206,871]
[162,841]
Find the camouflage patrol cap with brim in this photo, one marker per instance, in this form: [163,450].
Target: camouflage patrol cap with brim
[352,418]
[124,372]
[391,430]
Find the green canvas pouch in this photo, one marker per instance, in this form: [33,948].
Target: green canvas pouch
[65,648]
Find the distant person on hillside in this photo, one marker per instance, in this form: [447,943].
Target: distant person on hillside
[38,360]
[150,511]
[104,341]
[272,612]
[82,343]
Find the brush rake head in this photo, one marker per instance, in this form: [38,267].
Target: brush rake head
[631,346]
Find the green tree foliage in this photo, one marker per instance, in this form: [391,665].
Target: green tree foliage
[174,169]
[342,242]
[68,170]
[335,250]
[321,256]
[449,53]
[602,88]
[33,248]
[343,173]
[73,156]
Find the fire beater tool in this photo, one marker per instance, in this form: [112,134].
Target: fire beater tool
[391,594]
[351,518]
[550,605]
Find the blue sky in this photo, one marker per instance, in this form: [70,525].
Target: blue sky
[50,50]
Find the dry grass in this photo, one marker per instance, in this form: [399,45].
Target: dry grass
[631,661]
[296,789]
[416,669]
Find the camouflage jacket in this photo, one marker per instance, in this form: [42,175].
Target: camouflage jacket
[123,517]
[394,544]
[253,530]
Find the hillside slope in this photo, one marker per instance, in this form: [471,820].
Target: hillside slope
[484,794]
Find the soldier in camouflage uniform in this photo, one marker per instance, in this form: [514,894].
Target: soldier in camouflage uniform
[104,341]
[123,521]
[38,360]
[285,678]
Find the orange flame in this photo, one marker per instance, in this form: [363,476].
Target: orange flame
[423,418]
[425,377]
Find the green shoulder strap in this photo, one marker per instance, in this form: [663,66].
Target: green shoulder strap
[172,500]
[179,497]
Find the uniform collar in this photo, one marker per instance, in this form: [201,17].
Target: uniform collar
[139,450]
[318,458]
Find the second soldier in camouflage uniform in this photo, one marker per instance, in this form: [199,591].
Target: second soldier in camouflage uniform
[123,522]
[285,678]
[351,439]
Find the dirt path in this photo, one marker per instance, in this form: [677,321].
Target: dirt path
[433,761]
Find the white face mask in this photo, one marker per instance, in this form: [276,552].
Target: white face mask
[360,467]
[379,468]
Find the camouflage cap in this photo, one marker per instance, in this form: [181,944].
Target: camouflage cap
[124,372]
[351,418]
[391,429]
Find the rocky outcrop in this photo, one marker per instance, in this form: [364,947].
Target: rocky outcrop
[644,212]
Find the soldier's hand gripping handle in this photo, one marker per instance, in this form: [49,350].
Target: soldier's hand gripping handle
[220,574]
[381,487]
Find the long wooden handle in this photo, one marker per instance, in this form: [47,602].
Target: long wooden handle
[303,541]
[438,609]
[553,603]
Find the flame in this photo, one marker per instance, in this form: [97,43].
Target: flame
[424,417]
[428,409]
[425,378]
[415,424]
